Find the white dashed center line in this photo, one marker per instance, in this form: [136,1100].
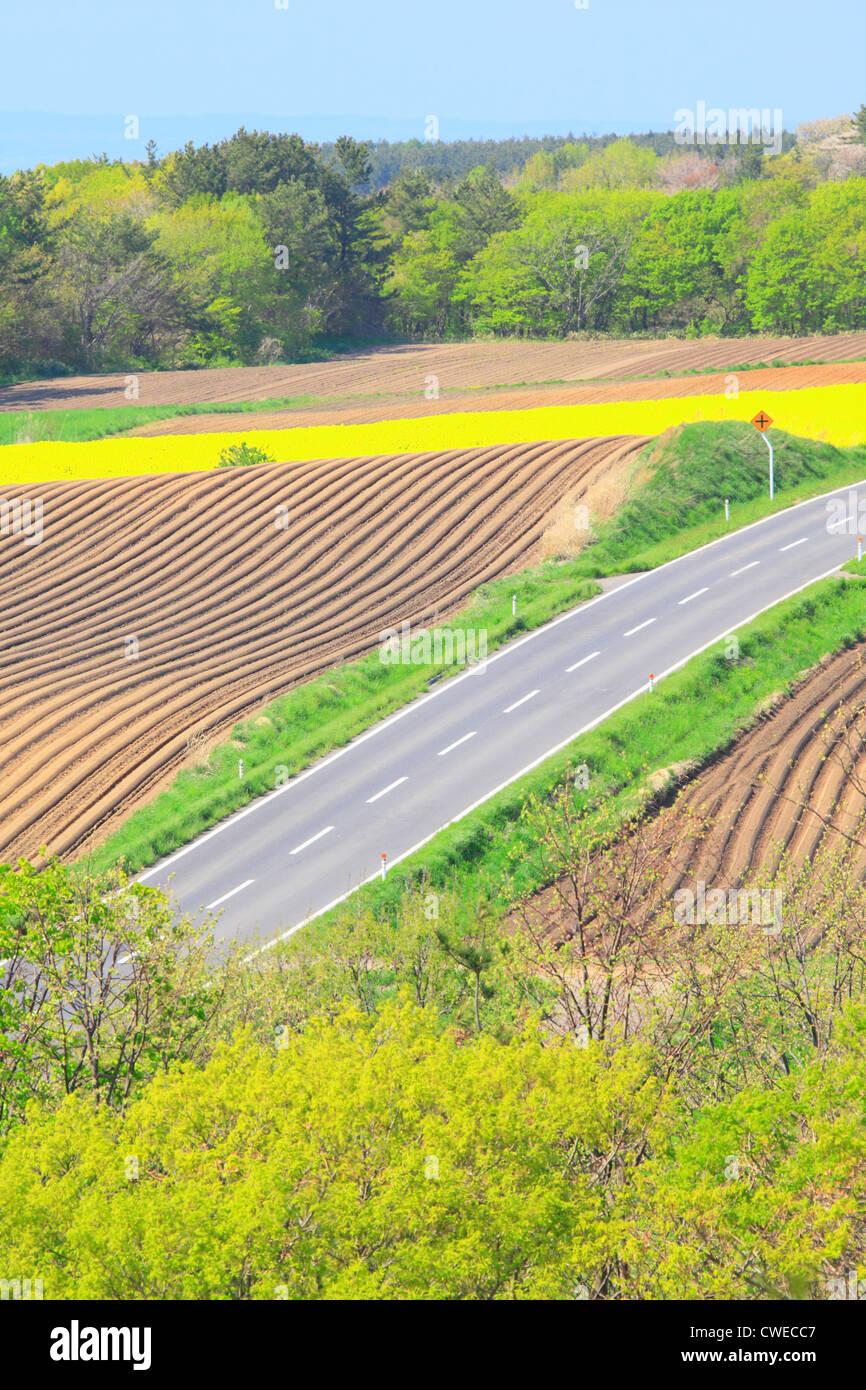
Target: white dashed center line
[801,541]
[385,790]
[451,746]
[521,701]
[696,594]
[582,662]
[743,569]
[225,897]
[312,840]
[640,627]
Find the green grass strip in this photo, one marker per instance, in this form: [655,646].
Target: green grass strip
[692,716]
[81,426]
[691,471]
[685,475]
[324,714]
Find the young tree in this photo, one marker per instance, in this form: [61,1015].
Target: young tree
[102,985]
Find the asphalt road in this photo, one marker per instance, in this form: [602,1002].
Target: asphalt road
[292,854]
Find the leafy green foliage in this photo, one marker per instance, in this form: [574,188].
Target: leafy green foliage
[227,253]
[377,1156]
[242,456]
[101,986]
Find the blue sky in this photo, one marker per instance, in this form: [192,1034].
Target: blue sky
[482,66]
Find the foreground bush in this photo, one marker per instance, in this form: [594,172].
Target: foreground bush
[375,1156]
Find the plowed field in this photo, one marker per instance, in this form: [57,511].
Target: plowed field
[517,398]
[403,370]
[231,601]
[793,782]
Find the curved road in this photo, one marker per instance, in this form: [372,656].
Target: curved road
[294,853]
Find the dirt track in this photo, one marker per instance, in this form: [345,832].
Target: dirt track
[403,370]
[516,398]
[228,609]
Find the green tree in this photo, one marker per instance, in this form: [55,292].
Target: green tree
[557,273]
[116,288]
[675,275]
[102,985]
[218,251]
[374,1156]
[807,275]
[26,250]
[301,293]
[620,165]
[484,208]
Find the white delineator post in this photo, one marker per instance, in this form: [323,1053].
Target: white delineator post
[859,549]
[727,509]
[770,447]
[652,682]
[384,866]
[240,767]
[513,605]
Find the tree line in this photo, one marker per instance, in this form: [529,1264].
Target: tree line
[264,247]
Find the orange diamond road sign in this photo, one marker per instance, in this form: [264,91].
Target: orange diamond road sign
[762,421]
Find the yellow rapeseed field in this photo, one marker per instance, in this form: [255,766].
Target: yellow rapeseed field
[836,414]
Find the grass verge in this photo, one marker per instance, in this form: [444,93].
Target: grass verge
[291,733]
[692,717]
[687,474]
[683,479]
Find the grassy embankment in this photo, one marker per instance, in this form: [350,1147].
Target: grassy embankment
[325,714]
[673,509]
[634,759]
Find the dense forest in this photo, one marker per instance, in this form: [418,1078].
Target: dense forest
[264,247]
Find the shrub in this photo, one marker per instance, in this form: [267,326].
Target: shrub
[242,455]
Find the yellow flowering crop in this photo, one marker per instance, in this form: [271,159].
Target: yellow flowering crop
[836,414]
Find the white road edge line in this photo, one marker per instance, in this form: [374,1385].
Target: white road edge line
[521,701]
[312,840]
[548,754]
[743,569]
[385,790]
[582,662]
[696,594]
[225,897]
[456,744]
[801,541]
[632,630]
[505,650]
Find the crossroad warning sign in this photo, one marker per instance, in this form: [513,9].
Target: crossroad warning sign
[762,421]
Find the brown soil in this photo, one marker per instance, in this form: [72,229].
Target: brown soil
[403,371]
[793,782]
[517,398]
[228,610]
